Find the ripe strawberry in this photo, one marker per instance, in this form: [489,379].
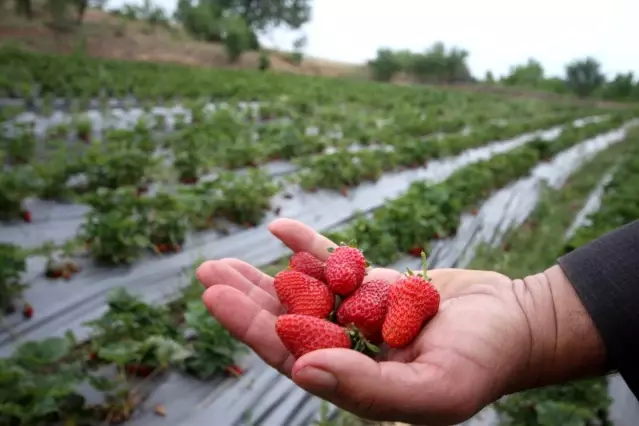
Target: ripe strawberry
[345,270]
[234,370]
[26,216]
[302,334]
[308,264]
[303,295]
[366,309]
[27,311]
[415,251]
[412,301]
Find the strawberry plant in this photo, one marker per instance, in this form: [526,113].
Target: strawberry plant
[12,266]
[84,129]
[201,203]
[213,348]
[168,223]
[59,263]
[15,185]
[54,176]
[135,335]
[142,358]
[240,152]
[21,147]
[244,199]
[188,163]
[106,168]
[117,234]
[40,383]
[581,403]
[288,141]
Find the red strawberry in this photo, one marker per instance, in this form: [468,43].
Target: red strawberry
[27,311]
[412,301]
[234,370]
[302,334]
[415,251]
[139,370]
[304,295]
[366,309]
[26,216]
[308,264]
[345,270]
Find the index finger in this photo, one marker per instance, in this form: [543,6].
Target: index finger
[300,237]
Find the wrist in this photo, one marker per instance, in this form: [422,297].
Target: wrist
[565,344]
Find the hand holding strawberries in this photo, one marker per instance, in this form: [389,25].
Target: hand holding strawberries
[478,343]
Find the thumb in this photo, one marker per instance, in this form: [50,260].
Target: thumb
[359,384]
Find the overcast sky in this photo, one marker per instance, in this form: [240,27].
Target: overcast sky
[497,33]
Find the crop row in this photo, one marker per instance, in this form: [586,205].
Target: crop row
[619,204]
[123,223]
[28,75]
[343,168]
[143,340]
[130,158]
[535,246]
[428,212]
[233,137]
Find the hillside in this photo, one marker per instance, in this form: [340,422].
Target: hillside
[107,36]
[104,35]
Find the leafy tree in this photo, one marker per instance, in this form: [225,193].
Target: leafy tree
[530,74]
[437,64]
[237,36]
[584,76]
[204,18]
[621,87]
[385,65]
[489,78]
[440,65]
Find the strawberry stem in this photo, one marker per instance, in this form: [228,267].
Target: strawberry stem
[425,266]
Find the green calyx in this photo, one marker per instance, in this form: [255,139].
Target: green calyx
[410,273]
[360,343]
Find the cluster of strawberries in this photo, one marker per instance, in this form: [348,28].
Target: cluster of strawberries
[328,305]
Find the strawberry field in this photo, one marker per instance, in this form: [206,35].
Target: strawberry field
[120,177]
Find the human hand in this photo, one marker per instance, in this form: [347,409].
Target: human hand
[492,336]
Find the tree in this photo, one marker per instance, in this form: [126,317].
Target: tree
[203,18]
[530,74]
[584,76]
[385,65]
[621,87]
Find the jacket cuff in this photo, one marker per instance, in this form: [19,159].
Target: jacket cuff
[605,275]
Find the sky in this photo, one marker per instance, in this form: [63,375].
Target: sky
[497,33]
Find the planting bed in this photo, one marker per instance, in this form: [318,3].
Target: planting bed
[127,198]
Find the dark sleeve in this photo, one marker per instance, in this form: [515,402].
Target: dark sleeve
[605,274]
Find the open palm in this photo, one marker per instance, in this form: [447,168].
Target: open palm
[469,355]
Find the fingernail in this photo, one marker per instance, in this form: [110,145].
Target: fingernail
[314,379]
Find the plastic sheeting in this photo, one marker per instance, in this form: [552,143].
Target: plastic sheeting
[262,396]
[62,306]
